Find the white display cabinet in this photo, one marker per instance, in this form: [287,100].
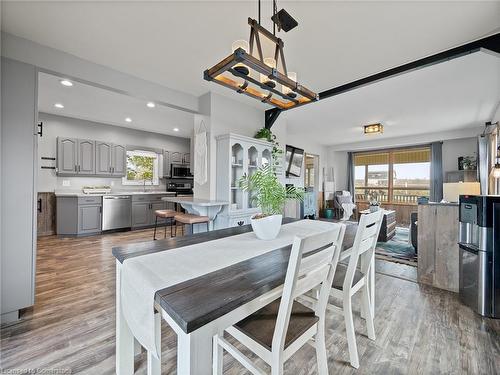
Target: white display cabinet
[238,156]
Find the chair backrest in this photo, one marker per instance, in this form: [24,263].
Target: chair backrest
[312,263]
[364,242]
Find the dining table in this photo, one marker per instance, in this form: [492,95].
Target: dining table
[200,307]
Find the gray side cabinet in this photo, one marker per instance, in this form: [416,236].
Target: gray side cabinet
[144,207]
[79,215]
[103,158]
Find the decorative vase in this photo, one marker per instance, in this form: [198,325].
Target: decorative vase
[267,228]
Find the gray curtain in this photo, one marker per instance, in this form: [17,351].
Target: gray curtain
[436,172]
[350,175]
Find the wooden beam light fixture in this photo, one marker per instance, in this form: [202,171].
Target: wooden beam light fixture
[246,71]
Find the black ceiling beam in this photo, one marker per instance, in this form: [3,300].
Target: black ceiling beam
[491,43]
[271,115]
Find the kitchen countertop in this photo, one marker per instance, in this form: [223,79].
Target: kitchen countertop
[82,194]
[440,204]
[195,201]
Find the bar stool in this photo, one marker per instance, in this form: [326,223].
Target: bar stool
[190,220]
[164,214]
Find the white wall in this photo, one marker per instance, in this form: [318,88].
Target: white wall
[454,148]
[60,126]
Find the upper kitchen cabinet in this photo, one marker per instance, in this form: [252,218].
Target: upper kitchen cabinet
[186,158]
[87,157]
[103,158]
[166,163]
[110,159]
[119,160]
[176,157]
[67,155]
[75,156]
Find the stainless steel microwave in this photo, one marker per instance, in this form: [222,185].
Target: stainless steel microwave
[180,171]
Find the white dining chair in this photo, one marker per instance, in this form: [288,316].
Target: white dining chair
[349,279]
[275,332]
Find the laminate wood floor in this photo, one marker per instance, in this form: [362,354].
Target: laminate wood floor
[420,330]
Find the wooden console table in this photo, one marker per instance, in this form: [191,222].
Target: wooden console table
[388,227]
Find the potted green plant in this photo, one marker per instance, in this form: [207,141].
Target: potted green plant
[270,196]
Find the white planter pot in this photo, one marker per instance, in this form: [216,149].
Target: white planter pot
[268,227]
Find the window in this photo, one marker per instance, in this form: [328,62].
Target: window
[399,176]
[142,168]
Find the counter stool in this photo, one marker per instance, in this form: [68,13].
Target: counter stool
[190,220]
[168,215]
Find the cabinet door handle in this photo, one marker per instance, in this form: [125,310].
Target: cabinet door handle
[39,204]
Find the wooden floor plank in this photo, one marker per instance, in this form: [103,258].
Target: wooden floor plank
[420,330]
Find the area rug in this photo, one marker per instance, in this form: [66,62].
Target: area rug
[397,249]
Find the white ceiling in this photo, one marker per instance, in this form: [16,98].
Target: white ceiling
[458,94]
[173,42]
[95,104]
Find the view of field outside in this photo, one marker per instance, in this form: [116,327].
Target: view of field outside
[409,180]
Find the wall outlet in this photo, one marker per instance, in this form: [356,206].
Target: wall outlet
[66,183]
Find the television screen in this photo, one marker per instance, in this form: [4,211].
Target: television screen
[293,158]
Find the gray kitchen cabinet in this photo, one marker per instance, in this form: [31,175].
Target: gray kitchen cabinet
[75,156]
[176,157]
[78,215]
[86,156]
[186,158]
[119,160]
[110,159]
[89,219]
[67,155]
[166,163]
[141,213]
[103,158]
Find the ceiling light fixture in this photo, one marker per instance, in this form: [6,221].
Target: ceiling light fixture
[59,105]
[238,70]
[176,129]
[66,83]
[128,119]
[151,105]
[374,129]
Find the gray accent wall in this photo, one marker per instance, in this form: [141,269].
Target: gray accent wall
[60,126]
[18,151]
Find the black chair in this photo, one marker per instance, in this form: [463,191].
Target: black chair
[414,230]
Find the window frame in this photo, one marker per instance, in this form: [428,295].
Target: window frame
[155,181]
[390,186]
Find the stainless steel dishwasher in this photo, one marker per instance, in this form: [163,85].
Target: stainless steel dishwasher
[116,212]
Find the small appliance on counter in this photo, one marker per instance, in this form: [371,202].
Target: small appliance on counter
[479,244]
[180,188]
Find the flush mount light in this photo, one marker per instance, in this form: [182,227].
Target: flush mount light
[128,119]
[176,129]
[151,105]
[246,71]
[374,129]
[59,105]
[66,83]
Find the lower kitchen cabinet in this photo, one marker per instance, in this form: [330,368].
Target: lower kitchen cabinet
[143,210]
[79,215]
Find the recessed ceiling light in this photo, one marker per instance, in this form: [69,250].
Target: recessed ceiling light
[176,129]
[151,105]
[128,119]
[66,83]
[58,105]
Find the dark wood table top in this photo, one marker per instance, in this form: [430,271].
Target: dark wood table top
[196,302]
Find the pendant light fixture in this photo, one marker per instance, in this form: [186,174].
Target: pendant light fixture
[248,72]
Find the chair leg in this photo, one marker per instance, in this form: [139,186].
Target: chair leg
[165,233]
[365,300]
[156,223]
[351,335]
[208,226]
[171,226]
[218,357]
[320,345]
